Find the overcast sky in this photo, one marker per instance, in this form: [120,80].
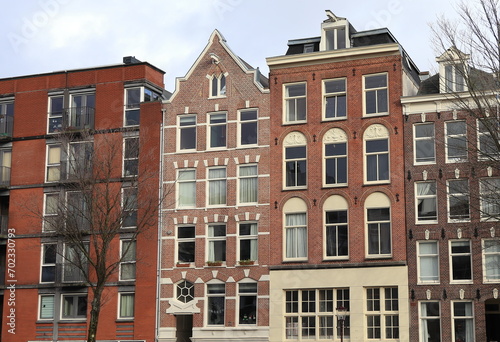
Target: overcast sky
[52,35]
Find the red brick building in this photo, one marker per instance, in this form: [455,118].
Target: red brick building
[451,217]
[337,185]
[43,297]
[214,279]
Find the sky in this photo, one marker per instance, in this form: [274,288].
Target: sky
[40,36]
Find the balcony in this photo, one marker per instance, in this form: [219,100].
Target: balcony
[6,126]
[71,273]
[72,119]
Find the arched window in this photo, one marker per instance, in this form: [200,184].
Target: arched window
[335,154]
[218,85]
[295,229]
[336,227]
[295,161]
[378,225]
[376,141]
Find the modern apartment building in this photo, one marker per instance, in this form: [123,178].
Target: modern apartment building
[452,180]
[50,125]
[214,278]
[338,238]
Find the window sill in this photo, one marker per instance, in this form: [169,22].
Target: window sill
[294,123]
[459,282]
[333,119]
[127,319]
[426,283]
[217,97]
[426,222]
[378,256]
[340,185]
[424,163]
[295,188]
[458,220]
[373,115]
[371,183]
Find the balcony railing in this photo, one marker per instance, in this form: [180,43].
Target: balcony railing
[71,273]
[6,125]
[72,119]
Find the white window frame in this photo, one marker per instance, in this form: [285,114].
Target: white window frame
[40,308]
[81,117]
[248,237]
[335,136]
[216,126]
[248,122]
[488,192]
[129,206]
[215,295]
[424,140]
[376,90]
[56,115]
[485,141]
[335,203]
[211,238]
[383,311]
[464,317]
[424,197]
[460,136]
[220,81]
[127,158]
[296,254]
[183,182]
[53,164]
[451,255]
[121,295]
[248,178]
[332,34]
[74,295]
[185,240]
[376,201]
[188,127]
[47,216]
[240,295]
[126,260]
[218,180]
[457,195]
[299,304]
[44,264]
[454,81]
[145,95]
[491,249]
[295,99]
[67,263]
[377,132]
[335,94]
[422,318]
[433,257]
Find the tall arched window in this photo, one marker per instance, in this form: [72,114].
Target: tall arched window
[295,229]
[378,225]
[376,141]
[335,154]
[336,227]
[295,161]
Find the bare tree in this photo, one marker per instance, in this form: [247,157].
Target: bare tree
[96,204]
[471,44]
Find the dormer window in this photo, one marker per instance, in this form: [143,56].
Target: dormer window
[454,77]
[218,86]
[453,70]
[335,38]
[335,33]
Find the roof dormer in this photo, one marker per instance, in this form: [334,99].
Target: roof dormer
[453,70]
[335,33]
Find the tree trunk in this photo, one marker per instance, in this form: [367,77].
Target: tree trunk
[94,313]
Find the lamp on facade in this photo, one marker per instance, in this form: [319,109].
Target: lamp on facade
[341,314]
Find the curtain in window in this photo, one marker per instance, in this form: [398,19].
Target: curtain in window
[426,206]
[248,184]
[253,242]
[127,305]
[296,236]
[217,187]
[187,193]
[428,262]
